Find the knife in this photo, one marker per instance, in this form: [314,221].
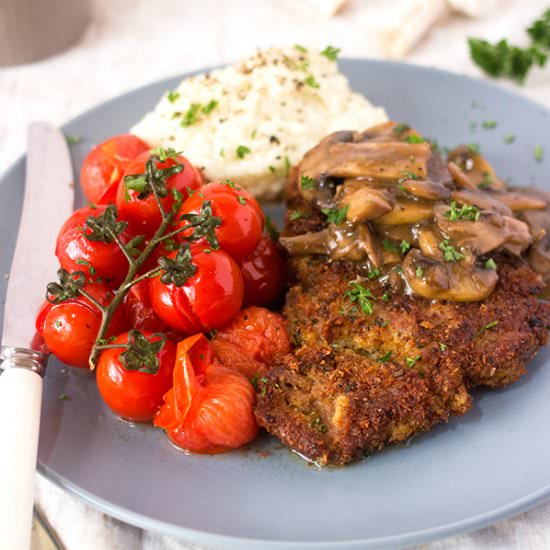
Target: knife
[48,201]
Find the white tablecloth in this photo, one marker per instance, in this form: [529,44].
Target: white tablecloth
[132,42]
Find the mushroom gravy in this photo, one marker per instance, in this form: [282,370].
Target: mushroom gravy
[423,225]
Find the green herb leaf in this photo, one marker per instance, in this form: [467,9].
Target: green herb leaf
[362,295]
[413,138]
[404,246]
[91,268]
[72,139]
[509,139]
[209,107]
[306,182]
[411,361]
[538,153]
[389,246]
[449,252]
[489,124]
[400,129]
[271,229]
[486,182]
[488,326]
[292,216]
[311,82]
[385,358]
[336,216]
[465,212]
[539,31]
[242,151]
[190,117]
[490,264]
[331,53]
[300,48]
[473,149]
[419,272]
[173,96]
[442,346]
[288,165]
[154,179]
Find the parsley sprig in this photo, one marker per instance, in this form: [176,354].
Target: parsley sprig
[362,296]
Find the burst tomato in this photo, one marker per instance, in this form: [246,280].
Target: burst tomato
[140,312]
[76,252]
[135,392]
[263,273]
[209,299]
[254,339]
[142,212]
[210,407]
[70,328]
[242,219]
[102,169]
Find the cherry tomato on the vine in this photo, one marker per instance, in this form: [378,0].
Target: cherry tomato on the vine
[210,407]
[139,311]
[104,165]
[208,299]
[142,212]
[263,273]
[70,328]
[135,392]
[242,220]
[253,340]
[76,252]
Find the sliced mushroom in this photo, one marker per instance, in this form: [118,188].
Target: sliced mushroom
[484,201]
[462,281]
[490,232]
[517,201]
[539,259]
[363,202]
[428,241]
[306,243]
[425,189]
[407,212]
[470,170]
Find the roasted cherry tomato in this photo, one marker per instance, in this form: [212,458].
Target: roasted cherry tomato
[77,252]
[70,328]
[134,391]
[253,340]
[263,273]
[142,212]
[102,169]
[242,219]
[209,299]
[210,407]
[139,311]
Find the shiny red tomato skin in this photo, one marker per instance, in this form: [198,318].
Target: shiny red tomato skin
[134,395]
[208,300]
[140,312]
[242,219]
[70,328]
[209,408]
[104,165]
[76,253]
[264,274]
[143,215]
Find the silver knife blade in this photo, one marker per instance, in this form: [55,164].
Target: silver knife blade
[47,202]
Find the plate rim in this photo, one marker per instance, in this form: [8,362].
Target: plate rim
[207,537]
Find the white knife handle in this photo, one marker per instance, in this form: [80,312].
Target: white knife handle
[20,403]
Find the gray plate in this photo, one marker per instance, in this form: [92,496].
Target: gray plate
[490,464]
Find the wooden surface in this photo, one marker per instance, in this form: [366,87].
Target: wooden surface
[133,42]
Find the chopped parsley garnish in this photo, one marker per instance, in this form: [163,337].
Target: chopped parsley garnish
[385,358]
[86,263]
[295,216]
[385,297]
[287,165]
[473,148]
[222,152]
[465,212]
[209,107]
[190,117]
[486,182]
[72,139]
[538,153]
[489,124]
[539,31]
[419,272]
[407,176]
[300,48]
[165,154]
[173,96]
[404,246]
[336,216]
[331,53]
[488,326]
[509,138]
[413,138]
[307,182]
[302,66]
[400,129]
[412,360]
[64,397]
[490,264]
[311,82]
[449,252]
[442,346]
[362,295]
[272,169]
[241,199]
[388,246]
[242,151]
[271,229]
[373,273]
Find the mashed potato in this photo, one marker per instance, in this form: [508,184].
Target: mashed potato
[252,121]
